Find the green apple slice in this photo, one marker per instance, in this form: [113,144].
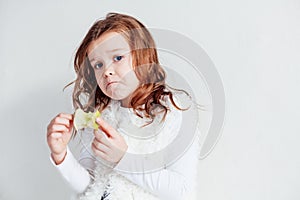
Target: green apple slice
[85,120]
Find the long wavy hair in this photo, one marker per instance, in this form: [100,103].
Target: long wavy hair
[152,89]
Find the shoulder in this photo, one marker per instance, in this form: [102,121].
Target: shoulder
[174,115]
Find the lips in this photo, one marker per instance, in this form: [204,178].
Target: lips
[112,82]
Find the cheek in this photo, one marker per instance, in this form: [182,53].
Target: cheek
[126,71]
[127,65]
[99,80]
[131,80]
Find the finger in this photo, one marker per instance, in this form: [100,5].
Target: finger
[106,128]
[99,153]
[58,128]
[65,115]
[100,137]
[55,135]
[61,120]
[100,147]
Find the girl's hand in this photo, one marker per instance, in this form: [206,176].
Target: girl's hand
[59,132]
[111,148]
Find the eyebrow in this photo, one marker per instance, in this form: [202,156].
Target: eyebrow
[114,50]
[110,51]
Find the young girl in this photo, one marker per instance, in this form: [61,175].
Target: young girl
[118,74]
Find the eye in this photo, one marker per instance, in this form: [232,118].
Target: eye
[98,65]
[118,58]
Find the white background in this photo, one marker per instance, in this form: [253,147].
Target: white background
[255,46]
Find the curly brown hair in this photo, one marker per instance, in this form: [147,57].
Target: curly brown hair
[152,90]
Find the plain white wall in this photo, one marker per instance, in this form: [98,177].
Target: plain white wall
[255,46]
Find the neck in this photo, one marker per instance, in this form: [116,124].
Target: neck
[125,103]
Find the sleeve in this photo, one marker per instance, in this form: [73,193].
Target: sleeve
[77,173]
[173,182]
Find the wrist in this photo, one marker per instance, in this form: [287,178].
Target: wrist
[59,158]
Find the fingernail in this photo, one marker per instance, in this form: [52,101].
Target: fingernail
[98,119]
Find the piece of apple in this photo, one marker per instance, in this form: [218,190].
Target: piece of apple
[85,120]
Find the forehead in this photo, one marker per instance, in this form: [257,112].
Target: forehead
[108,42]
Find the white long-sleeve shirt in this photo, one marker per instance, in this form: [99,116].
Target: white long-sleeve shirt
[172,181]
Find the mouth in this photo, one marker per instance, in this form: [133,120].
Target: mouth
[110,83]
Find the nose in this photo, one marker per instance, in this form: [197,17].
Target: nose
[109,71]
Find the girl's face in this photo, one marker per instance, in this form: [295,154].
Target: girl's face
[111,60]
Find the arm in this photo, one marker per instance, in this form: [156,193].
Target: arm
[172,182]
[78,174]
